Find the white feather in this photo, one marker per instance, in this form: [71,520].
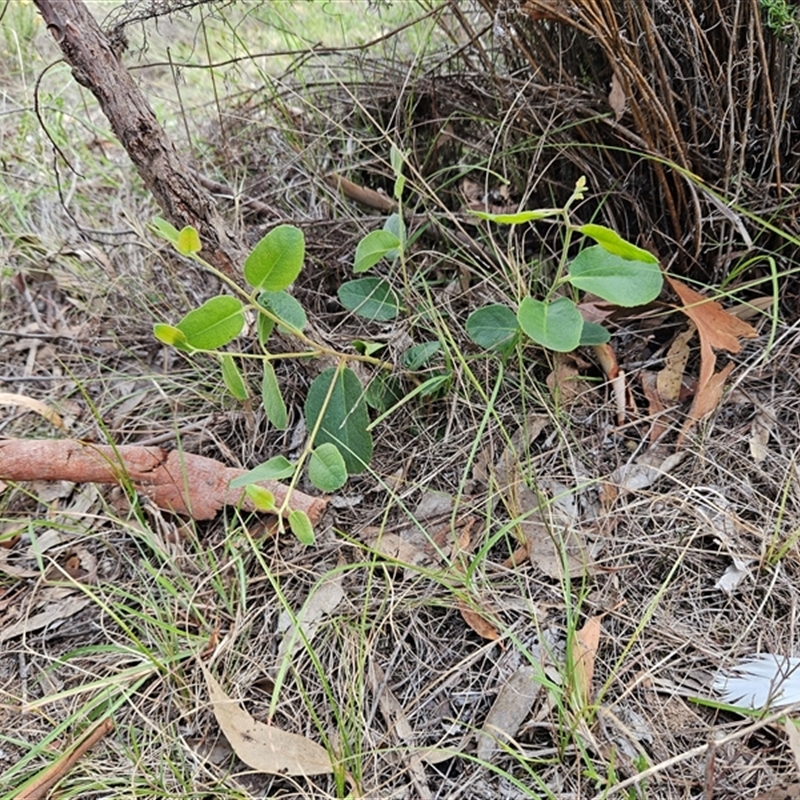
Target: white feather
[760,681]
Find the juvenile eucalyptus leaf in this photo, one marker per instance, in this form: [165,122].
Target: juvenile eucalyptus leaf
[397,227]
[371,298]
[493,327]
[519,217]
[262,498]
[276,261]
[274,469]
[556,326]
[612,242]
[326,468]
[616,279]
[336,400]
[593,334]
[233,378]
[418,355]
[188,241]
[286,308]
[272,399]
[166,230]
[218,321]
[372,248]
[301,527]
[169,334]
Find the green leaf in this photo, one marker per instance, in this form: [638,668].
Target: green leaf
[277,259]
[397,159]
[166,230]
[493,327]
[366,348]
[218,321]
[264,327]
[272,470]
[343,421]
[301,527]
[371,298]
[556,326]
[262,498]
[233,378]
[618,280]
[418,355]
[188,241]
[593,333]
[286,308]
[519,217]
[431,386]
[272,399]
[383,392]
[397,227]
[372,248]
[169,334]
[612,242]
[326,468]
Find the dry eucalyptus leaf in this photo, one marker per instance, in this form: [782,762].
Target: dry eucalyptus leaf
[55,613]
[787,792]
[616,97]
[478,622]
[760,431]
[265,748]
[322,601]
[512,704]
[584,650]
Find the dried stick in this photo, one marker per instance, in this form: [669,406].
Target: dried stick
[49,777]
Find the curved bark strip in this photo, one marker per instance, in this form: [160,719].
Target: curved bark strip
[96,65]
[179,482]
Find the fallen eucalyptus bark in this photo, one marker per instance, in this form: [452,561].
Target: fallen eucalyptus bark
[175,481]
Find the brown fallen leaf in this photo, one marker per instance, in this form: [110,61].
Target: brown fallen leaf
[265,748]
[717,329]
[23,401]
[584,649]
[478,622]
[617,98]
[512,704]
[669,380]
[179,482]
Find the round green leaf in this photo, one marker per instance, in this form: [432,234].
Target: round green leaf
[218,321]
[593,333]
[612,242]
[285,307]
[344,418]
[277,259]
[371,298]
[188,241]
[372,248]
[555,325]
[301,527]
[616,279]
[492,327]
[326,468]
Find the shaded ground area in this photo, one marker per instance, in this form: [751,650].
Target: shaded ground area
[503,515]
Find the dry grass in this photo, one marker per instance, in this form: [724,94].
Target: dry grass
[393,681]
